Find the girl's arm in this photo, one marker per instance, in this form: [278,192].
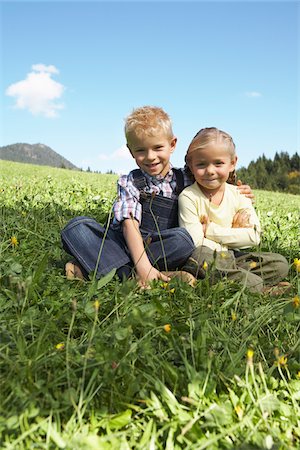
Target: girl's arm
[244,231]
[190,218]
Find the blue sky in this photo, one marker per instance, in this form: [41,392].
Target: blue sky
[71,71]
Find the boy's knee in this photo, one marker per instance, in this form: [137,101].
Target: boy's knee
[76,221]
[183,241]
[183,233]
[178,246]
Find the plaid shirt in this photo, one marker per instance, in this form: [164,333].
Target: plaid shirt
[128,206]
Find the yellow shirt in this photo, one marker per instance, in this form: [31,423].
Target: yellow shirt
[219,234]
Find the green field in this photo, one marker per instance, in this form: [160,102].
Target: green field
[92,365]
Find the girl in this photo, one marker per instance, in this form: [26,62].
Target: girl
[220,220]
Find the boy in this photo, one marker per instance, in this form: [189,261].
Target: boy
[144,235]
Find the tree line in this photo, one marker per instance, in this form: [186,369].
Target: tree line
[280,174]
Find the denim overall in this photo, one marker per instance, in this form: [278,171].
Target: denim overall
[159,213]
[167,245]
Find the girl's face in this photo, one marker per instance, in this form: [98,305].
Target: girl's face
[211,166]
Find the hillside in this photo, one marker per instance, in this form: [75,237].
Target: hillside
[281,174]
[34,154]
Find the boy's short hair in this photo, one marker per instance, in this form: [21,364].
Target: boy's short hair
[148,120]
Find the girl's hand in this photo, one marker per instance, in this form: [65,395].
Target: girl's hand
[241,219]
[245,190]
[144,279]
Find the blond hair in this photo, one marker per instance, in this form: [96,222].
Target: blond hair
[207,136]
[148,120]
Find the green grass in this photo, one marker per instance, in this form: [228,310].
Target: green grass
[89,365]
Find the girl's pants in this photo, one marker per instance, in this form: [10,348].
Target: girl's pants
[252,269]
[96,248]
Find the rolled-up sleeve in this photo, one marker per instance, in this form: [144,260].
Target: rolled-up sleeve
[127,205]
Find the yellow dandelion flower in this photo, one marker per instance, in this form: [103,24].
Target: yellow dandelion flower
[239,411]
[167,328]
[252,265]
[205,265]
[165,285]
[296,301]
[14,241]
[172,291]
[60,346]
[298,375]
[250,354]
[96,305]
[297,264]
[282,361]
[233,316]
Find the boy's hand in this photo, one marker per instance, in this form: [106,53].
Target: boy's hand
[144,269]
[241,219]
[245,190]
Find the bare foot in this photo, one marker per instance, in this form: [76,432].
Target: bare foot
[283,287]
[73,271]
[186,277]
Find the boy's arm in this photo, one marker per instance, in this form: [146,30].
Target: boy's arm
[245,189]
[144,269]
[127,214]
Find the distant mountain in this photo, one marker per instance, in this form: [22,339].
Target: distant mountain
[34,154]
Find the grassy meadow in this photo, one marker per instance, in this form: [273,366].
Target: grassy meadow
[103,365]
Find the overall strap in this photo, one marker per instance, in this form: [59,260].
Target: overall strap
[139,179]
[141,183]
[179,180]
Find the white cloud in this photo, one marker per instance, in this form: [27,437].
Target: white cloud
[253,94]
[43,68]
[120,153]
[123,152]
[38,93]
[120,161]
[103,157]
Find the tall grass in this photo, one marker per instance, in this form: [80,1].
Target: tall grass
[103,365]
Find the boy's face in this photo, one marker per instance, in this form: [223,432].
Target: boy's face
[152,153]
[211,166]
